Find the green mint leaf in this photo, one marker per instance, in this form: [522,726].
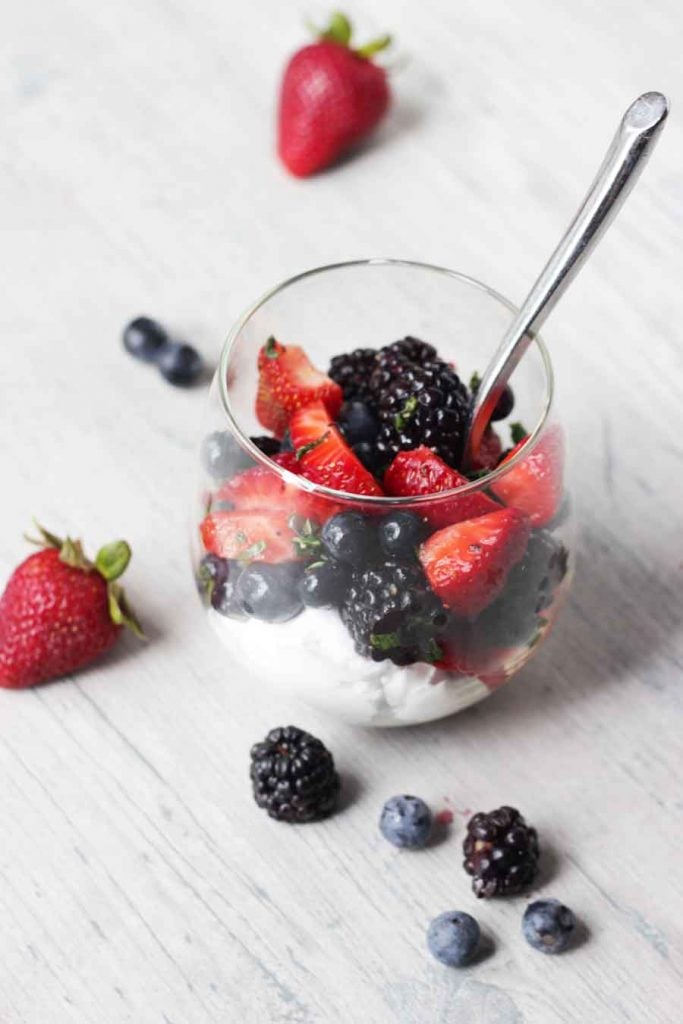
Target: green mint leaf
[475,381]
[253,551]
[518,432]
[384,641]
[306,448]
[406,412]
[270,349]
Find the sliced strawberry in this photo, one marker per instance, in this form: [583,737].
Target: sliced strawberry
[421,471]
[467,564]
[288,380]
[253,536]
[489,452]
[535,485]
[262,489]
[324,455]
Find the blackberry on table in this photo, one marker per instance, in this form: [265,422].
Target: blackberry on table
[392,614]
[501,852]
[351,371]
[420,400]
[293,776]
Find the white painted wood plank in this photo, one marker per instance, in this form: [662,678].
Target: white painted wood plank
[139,882]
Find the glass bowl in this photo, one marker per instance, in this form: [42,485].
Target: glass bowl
[464,649]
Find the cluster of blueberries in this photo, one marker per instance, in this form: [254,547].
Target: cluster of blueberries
[454,937]
[177,362]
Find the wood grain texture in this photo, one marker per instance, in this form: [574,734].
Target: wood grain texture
[138,881]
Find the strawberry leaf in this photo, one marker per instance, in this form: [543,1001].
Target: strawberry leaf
[112,560]
[120,611]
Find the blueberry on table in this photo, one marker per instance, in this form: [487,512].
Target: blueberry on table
[453,938]
[548,926]
[144,338]
[179,363]
[406,822]
[269,592]
[349,537]
[400,534]
[324,584]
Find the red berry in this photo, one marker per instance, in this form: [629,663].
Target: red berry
[331,98]
[287,381]
[252,536]
[421,471]
[535,485]
[324,455]
[489,451]
[467,564]
[261,489]
[59,611]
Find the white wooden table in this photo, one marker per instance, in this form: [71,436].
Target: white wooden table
[138,880]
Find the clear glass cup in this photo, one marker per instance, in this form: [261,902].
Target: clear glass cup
[336,309]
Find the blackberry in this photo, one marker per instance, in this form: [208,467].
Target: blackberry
[352,372]
[391,613]
[501,852]
[420,400]
[293,776]
[514,617]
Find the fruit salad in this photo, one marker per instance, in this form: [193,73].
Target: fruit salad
[348,553]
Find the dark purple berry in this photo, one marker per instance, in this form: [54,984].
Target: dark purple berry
[144,338]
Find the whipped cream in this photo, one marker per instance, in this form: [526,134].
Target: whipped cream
[312,657]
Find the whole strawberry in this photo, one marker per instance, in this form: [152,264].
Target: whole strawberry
[60,611]
[332,97]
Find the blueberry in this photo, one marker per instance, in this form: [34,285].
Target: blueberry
[349,537]
[179,363]
[269,592]
[371,458]
[222,456]
[144,338]
[357,423]
[400,533]
[212,571]
[268,445]
[286,442]
[504,405]
[224,594]
[453,938]
[548,925]
[324,584]
[406,821]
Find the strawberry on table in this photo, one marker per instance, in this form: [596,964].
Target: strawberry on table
[467,564]
[60,611]
[535,485]
[324,455]
[332,96]
[421,471]
[287,381]
[250,536]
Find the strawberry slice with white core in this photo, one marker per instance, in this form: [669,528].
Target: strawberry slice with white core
[250,536]
[467,564]
[535,485]
[324,455]
[288,380]
[421,471]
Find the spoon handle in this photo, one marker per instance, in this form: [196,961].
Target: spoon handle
[625,159]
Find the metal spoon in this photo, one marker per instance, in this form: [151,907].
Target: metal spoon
[625,159]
